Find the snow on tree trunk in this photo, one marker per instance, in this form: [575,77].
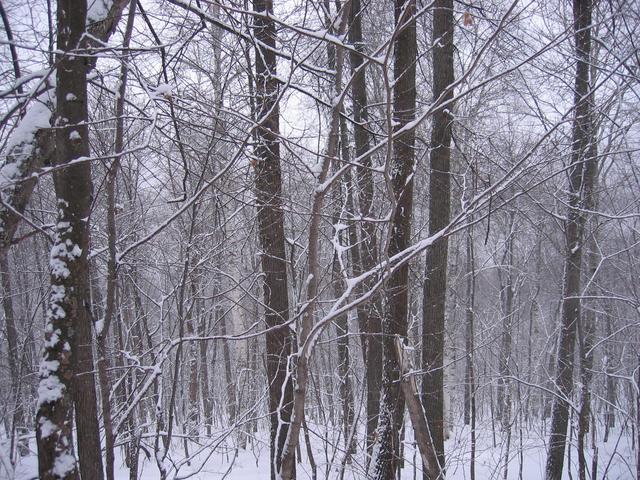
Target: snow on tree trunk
[581,177]
[32,143]
[67,368]
[300,362]
[387,460]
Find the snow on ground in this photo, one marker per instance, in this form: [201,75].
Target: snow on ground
[616,460]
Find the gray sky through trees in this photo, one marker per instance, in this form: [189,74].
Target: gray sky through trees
[240,253]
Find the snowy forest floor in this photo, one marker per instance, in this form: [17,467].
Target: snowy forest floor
[526,459]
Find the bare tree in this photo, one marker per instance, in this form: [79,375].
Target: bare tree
[367,251]
[268,186]
[251,203]
[581,178]
[66,371]
[435,283]
[392,404]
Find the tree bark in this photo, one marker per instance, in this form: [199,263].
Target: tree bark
[587,325]
[470,382]
[268,187]
[38,149]
[369,314]
[17,419]
[506,294]
[586,342]
[341,322]
[228,371]
[416,412]
[581,177]
[342,333]
[305,342]
[67,368]
[434,292]
[610,378]
[387,461]
[205,394]
[193,326]
[112,276]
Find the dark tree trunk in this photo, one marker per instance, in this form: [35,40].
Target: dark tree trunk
[268,186]
[548,380]
[31,154]
[610,379]
[17,420]
[338,283]
[112,276]
[580,184]
[434,293]
[304,327]
[207,401]
[67,367]
[395,322]
[470,382]
[587,339]
[369,319]
[506,294]
[228,371]
[587,334]
[342,321]
[416,412]
[131,320]
[534,404]
[193,410]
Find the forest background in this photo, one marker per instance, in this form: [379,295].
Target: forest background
[361,238]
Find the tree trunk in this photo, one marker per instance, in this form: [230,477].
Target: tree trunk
[580,185]
[102,329]
[207,401]
[395,324]
[228,371]
[416,412]
[193,410]
[305,342]
[587,331]
[434,292]
[586,341]
[344,356]
[534,404]
[506,294]
[344,363]
[610,379]
[338,282]
[38,147]
[17,419]
[131,320]
[470,382]
[268,186]
[67,368]
[369,314]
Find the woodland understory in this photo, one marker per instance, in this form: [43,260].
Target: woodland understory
[391,239]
